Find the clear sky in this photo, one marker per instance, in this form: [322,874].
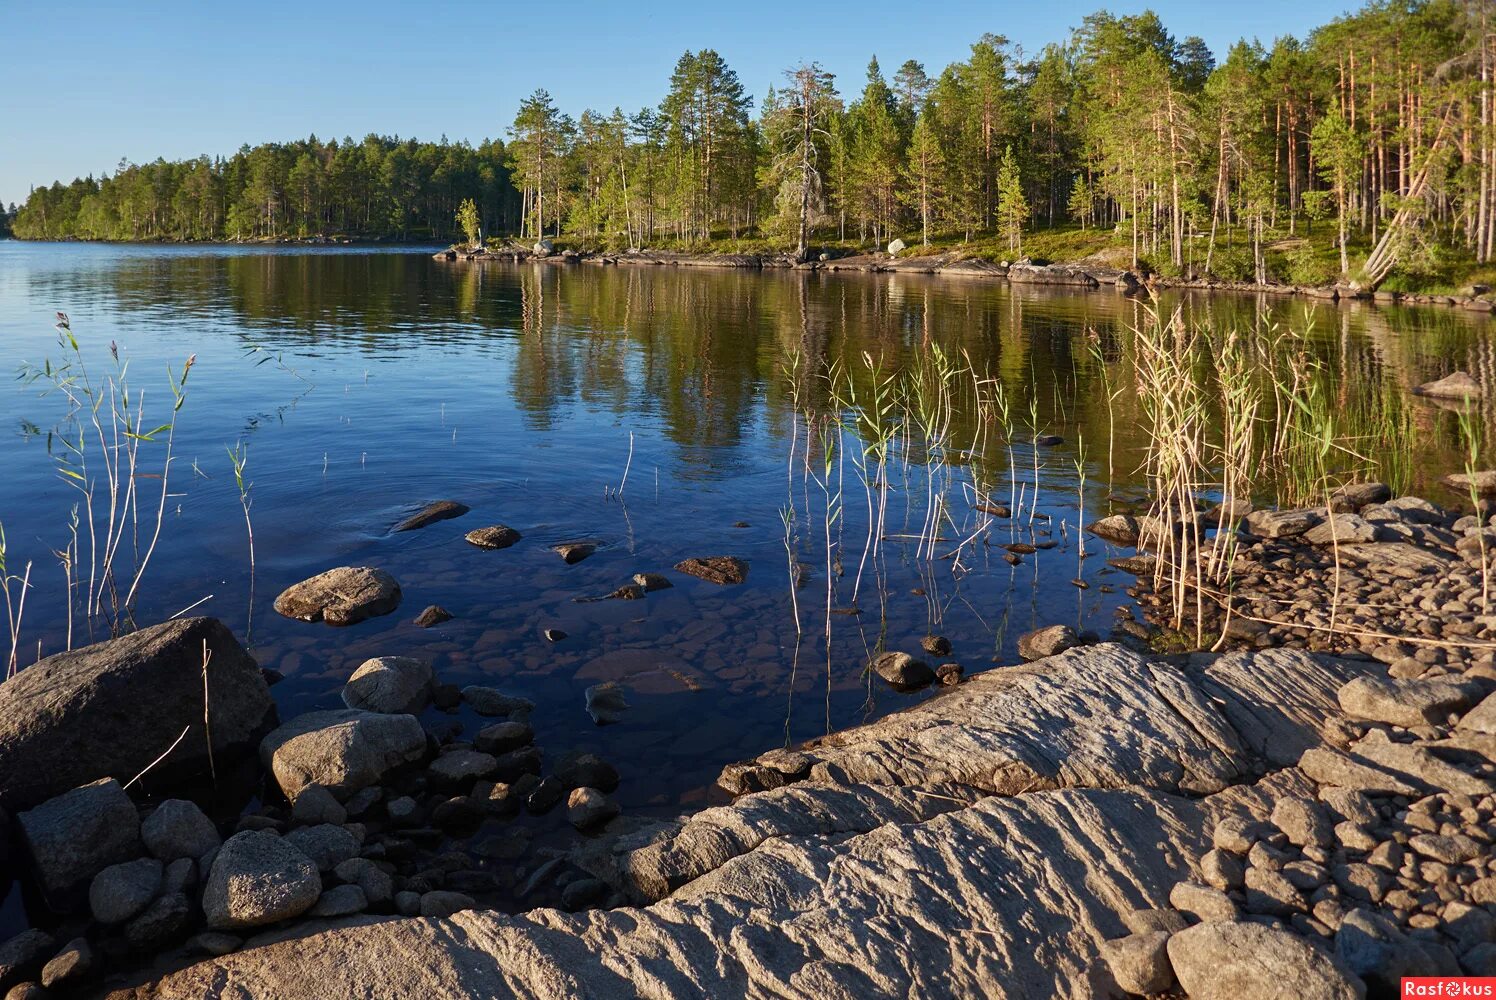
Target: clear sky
[85,82]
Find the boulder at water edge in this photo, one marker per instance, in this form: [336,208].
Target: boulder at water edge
[343,751]
[390,684]
[259,878]
[78,834]
[111,709]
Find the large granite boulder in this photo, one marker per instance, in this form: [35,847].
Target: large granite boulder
[1220,960]
[343,750]
[111,709]
[78,834]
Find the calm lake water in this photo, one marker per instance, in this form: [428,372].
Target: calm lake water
[366,382]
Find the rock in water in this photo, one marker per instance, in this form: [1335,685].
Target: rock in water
[723,570]
[1119,529]
[110,709]
[437,510]
[496,536]
[77,835]
[434,615]
[1341,529]
[74,962]
[1232,961]
[343,751]
[652,582]
[1281,523]
[394,685]
[1055,639]
[574,552]
[902,670]
[1483,482]
[1460,385]
[259,878]
[23,954]
[588,808]
[343,596]
[492,702]
[605,703]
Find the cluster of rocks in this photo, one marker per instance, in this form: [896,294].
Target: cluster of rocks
[1403,580]
[366,811]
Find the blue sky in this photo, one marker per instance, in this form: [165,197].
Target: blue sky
[84,83]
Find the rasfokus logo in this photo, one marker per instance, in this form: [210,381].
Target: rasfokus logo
[1449,987]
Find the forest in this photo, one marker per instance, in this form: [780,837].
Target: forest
[1365,148]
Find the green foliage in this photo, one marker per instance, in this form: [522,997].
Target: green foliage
[468,220]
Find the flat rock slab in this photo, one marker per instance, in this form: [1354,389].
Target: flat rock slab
[1459,386]
[723,570]
[342,596]
[437,510]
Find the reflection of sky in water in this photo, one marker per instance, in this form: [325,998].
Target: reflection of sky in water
[516,389]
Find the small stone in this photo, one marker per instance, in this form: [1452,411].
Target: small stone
[902,671]
[495,798]
[179,876]
[721,570]
[1304,821]
[343,596]
[432,616]
[437,510]
[73,963]
[402,809]
[1140,962]
[553,635]
[582,893]
[574,552]
[588,808]
[121,891]
[492,702]
[1203,902]
[259,878]
[461,768]
[585,770]
[24,955]
[936,645]
[501,737]
[1143,921]
[73,837]
[1050,641]
[606,703]
[1236,834]
[652,582]
[1355,837]
[316,804]
[163,922]
[1451,850]
[495,536]
[408,904]
[949,674]
[325,844]
[340,901]
[214,943]
[1221,870]
[546,796]
[444,904]
[177,828]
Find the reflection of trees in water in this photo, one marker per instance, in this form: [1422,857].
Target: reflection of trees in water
[702,350]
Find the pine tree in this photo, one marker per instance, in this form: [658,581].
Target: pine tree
[1012,206]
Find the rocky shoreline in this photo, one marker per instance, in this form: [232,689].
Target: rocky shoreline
[1309,813]
[1080,275]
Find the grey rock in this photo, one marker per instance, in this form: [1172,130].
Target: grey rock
[1120,529]
[121,891]
[346,595]
[163,922]
[496,536]
[343,751]
[462,767]
[1202,902]
[316,804]
[1454,849]
[259,878]
[1483,482]
[1457,386]
[493,702]
[1481,718]
[586,770]
[1349,804]
[179,876]
[1221,870]
[1237,834]
[1373,948]
[1304,821]
[721,570]
[588,808]
[75,962]
[1140,962]
[652,582]
[78,834]
[1331,767]
[327,846]
[902,671]
[339,902]
[1341,529]
[1143,921]
[377,885]
[1407,703]
[1049,641]
[1281,523]
[582,893]
[574,552]
[437,510]
[501,737]
[432,616]
[112,708]
[214,943]
[1354,496]
[177,828]
[23,955]
[1229,961]
[606,703]
[443,904]
[394,685]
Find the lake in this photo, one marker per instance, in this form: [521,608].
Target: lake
[660,413]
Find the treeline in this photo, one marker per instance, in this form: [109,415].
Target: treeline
[1376,129]
[379,187]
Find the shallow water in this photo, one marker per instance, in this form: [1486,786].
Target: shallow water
[385,379]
